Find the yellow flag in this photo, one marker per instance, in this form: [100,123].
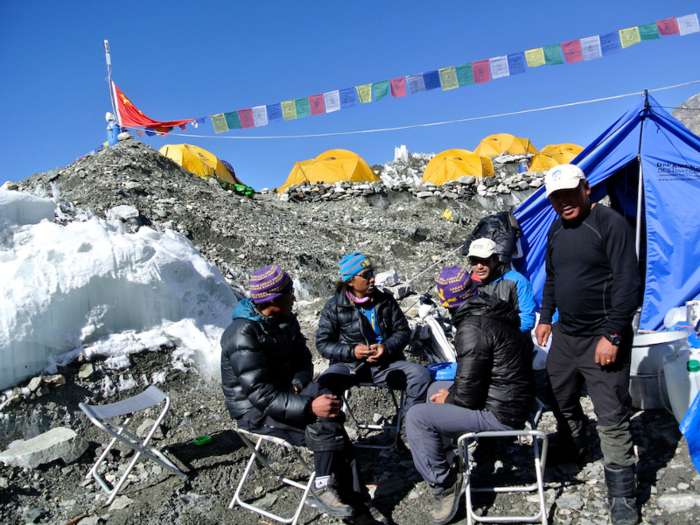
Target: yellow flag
[448,78]
[535,57]
[629,37]
[364,93]
[289,110]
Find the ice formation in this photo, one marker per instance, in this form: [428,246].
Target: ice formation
[90,287]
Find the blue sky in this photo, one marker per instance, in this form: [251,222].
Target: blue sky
[181,59]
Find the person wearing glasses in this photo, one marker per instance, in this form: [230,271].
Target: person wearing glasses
[494,278]
[362,332]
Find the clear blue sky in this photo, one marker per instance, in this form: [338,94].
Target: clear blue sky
[181,59]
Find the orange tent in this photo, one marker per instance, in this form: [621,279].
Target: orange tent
[494,145]
[331,166]
[553,155]
[455,163]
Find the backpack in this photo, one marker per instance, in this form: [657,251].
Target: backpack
[503,229]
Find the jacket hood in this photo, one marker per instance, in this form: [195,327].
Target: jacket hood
[245,309]
[484,305]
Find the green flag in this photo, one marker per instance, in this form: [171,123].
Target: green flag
[381,89]
[448,78]
[233,121]
[302,107]
[649,32]
[465,74]
[219,122]
[289,110]
[553,55]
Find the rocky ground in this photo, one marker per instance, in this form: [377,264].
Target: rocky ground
[239,235]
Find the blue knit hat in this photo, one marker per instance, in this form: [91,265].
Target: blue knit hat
[454,286]
[352,264]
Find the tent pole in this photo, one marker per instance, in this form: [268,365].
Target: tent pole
[640,183]
[108,59]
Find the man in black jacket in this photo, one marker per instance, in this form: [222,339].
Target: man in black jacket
[593,281]
[493,389]
[266,373]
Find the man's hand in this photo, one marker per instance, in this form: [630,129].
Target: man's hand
[605,352]
[325,405]
[378,353]
[440,396]
[364,352]
[542,333]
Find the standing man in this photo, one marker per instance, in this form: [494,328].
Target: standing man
[593,281]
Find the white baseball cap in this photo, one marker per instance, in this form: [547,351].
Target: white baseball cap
[563,177]
[482,248]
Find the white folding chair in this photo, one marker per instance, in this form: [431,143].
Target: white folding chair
[250,437]
[385,427]
[102,417]
[540,459]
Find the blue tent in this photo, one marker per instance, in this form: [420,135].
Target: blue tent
[645,141]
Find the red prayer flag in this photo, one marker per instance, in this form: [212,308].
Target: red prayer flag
[398,87]
[246,118]
[572,51]
[183,127]
[668,26]
[130,116]
[482,71]
[317,104]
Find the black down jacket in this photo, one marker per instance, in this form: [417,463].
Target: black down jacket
[340,329]
[260,361]
[494,370]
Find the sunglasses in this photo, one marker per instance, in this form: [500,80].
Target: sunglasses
[474,261]
[367,274]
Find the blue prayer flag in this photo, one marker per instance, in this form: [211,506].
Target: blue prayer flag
[517,63]
[150,132]
[431,79]
[274,112]
[348,97]
[610,43]
[201,120]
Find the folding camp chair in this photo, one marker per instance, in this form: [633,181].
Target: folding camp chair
[534,435]
[364,425]
[102,417]
[248,438]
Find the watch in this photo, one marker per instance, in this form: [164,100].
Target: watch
[614,339]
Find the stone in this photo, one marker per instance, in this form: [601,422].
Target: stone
[86,371]
[54,380]
[146,426]
[34,384]
[90,520]
[675,503]
[570,501]
[122,212]
[9,186]
[121,502]
[32,514]
[424,194]
[57,443]
[267,501]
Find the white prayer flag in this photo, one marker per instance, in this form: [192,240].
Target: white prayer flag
[332,100]
[260,116]
[688,24]
[415,83]
[499,67]
[590,47]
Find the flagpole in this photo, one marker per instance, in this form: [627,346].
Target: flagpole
[108,59]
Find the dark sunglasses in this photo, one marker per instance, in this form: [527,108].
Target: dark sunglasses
[367,274]
[473,261]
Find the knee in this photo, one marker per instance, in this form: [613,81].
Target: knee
[416,416]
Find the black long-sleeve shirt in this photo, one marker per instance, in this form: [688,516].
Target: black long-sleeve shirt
[592,274]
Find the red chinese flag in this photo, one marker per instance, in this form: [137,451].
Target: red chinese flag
[572,51]
[398,87]
[317,104]
[482,71]
[668,26]
[246,117]
[130,116]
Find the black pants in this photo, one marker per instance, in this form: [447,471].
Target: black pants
[325,437]
[570,362]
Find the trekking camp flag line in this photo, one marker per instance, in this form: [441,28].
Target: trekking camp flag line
[478,72]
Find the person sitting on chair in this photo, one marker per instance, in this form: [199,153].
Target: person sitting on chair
[266,373]
[493,389]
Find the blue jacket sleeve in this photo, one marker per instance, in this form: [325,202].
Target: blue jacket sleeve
[526,300]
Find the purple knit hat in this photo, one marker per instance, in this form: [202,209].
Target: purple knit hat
[454,286]
[269,283]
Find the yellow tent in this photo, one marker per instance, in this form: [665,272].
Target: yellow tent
[331,166]
[199,161]
[494,145]
[455,163]
[553,155]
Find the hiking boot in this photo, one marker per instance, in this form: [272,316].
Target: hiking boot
[368,514]
[446,502]
[326,499]
[623,511]
[621,482]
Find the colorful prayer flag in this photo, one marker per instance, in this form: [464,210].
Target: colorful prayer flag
[517,63]
[610,43]
[590,47]
[398,87]
[318,107]
[274,112]
[289,110]
[465,74]
[649,32]
[302,107]
[535,57]
[448,78]
[364,93]
[431,80]
[482,71]
[260,116]
[139,133]
[668,26]
[183,127]
[151,133]
[499,66]
[688,24]
[572,51]
[219,122]
[553,55]
[415,83]
[246,118]
[332,101]
[348,97]
[381,89]
[629,37]
[233,121]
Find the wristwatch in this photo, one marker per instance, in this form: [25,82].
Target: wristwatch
[614,339]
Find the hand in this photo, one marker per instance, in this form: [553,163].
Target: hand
[440,396]
[325,405]
[363,352]
[605,352]
[378,352]
[542,332]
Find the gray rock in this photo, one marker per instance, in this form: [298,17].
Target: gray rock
[34,384]
[32,514]
[146,426]
[57,443]
[86,371]
[121,502]
[570,501]
[675,503]
[122,212]
[9,186]
[424,194]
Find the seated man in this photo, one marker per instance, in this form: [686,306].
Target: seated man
[266,373]
[363,332]
[494,278]
[494,387]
